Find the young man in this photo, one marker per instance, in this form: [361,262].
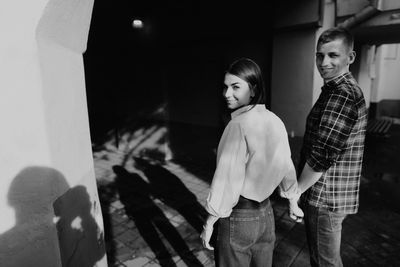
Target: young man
[332,152]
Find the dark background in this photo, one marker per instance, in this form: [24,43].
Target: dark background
[177,60]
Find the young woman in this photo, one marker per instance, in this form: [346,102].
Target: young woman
[253,159]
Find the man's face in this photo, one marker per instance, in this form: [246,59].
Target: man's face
[333,59]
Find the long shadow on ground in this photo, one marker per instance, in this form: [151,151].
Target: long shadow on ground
[172,191]
[134,194]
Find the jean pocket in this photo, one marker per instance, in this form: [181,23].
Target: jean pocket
[268,228]
[336,220]
[244,232]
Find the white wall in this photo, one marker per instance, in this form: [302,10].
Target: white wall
[389,82]
[386,84]
[48,197]
[367,71]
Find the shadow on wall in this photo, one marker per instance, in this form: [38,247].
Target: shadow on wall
[81,240]
[33,240]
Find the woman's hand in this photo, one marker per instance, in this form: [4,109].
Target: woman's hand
[206,235]
[208,229]
[294,210]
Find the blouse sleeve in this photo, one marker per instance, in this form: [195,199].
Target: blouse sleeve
[230,172]
[288,188]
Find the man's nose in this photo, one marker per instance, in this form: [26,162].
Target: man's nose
[325,61]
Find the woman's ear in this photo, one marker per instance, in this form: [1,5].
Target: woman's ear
[253,91]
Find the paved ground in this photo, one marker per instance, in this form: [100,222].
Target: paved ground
[153,211]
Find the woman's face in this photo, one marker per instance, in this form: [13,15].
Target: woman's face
[236,92]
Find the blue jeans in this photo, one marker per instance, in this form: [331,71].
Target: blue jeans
[324,232]
[246,238]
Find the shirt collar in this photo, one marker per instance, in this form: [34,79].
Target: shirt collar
[337,80]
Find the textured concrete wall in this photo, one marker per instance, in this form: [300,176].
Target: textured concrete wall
[296,83]
[292,78]
[48,195]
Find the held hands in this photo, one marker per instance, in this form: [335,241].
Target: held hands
[206,235]
[294,210]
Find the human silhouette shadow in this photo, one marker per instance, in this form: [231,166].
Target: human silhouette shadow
[81,240]
[172,191]
[134,194]
[35,195]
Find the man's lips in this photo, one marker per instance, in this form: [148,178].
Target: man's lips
[326,69]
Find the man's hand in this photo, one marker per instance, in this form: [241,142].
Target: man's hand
[206,235]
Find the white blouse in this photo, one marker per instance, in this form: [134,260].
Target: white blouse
[253,159]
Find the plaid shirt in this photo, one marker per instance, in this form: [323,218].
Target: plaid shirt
[334,144]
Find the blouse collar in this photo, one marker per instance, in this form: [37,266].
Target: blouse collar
[242,110]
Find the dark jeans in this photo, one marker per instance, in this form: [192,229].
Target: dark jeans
[324,232]
[246,237]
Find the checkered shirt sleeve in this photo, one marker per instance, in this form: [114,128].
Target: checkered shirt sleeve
[337,121]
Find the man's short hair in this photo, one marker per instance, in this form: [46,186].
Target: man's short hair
[337,33]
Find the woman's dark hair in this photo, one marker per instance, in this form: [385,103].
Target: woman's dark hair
[247,70]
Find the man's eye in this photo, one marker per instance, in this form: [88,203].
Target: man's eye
[235,87]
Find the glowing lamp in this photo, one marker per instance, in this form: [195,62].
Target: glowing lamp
[137,24]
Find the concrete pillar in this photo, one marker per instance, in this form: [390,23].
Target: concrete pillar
[327,22]
[292,78]
[296,83]
[50,212]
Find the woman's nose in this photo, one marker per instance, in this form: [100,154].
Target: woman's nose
[228,92]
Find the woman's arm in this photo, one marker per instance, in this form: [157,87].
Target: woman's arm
[289,189]
[230,172]
[208,229]
[228,178]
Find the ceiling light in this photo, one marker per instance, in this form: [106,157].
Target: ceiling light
[137,24]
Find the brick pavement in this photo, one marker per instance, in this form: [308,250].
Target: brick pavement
[152,223]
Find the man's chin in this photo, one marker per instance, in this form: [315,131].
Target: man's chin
[326,77]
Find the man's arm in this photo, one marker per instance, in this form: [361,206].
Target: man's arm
[337,120]
[308,177]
